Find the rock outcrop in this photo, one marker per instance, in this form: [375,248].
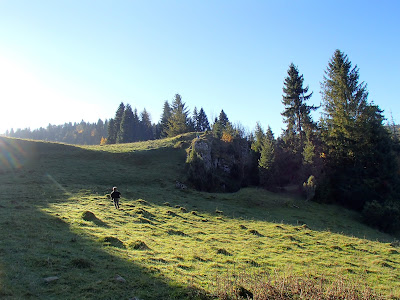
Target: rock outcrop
[216,165]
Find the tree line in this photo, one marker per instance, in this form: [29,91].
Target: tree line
[82,133]
[128,126]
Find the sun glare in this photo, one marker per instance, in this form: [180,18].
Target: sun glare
[27,100]
[12,156]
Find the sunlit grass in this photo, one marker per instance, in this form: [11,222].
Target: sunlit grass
[194,248]
[164,240]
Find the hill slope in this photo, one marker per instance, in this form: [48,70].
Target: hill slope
[165,243]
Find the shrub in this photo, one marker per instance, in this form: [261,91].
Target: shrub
[226,137]
[309,187]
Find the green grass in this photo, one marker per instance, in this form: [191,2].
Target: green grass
[165,243]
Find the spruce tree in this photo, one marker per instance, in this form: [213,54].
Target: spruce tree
[179,121]
[165,119]
[195,119]
[297,114]
[344,101]
[125,134]
[357,147]
[146,126]
[266,161]
[223,119]
[114,125]
[136,126]
[222,125]
[217,129]
[259,137]
[112,132]
[202,121]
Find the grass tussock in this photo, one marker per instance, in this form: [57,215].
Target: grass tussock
[138,245]
[89,216]
[112,241]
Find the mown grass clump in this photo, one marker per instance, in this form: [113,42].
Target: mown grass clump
[81,263]
[112,241]
[89,216]
[224,252]
[138,245]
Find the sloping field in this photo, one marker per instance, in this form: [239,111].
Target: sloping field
[61,237]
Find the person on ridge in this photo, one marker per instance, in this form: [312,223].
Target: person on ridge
[115,195]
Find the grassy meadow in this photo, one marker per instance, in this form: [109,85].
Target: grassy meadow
[61,237]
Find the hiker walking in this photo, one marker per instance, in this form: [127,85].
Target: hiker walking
[115,195]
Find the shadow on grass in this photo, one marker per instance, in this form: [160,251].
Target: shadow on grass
[40,258]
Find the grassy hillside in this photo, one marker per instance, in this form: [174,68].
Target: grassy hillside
[167,243]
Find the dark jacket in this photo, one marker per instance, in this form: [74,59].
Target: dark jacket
[115,194]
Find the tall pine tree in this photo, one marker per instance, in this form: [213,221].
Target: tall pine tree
[356,144]
[166,115]
[125,134]
[202,121]
[266,162]
[179,120]
[297,114]
[146,126]
[114,124]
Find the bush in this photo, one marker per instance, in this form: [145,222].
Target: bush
[309,187]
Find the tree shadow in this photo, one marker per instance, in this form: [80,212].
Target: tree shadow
[42,258]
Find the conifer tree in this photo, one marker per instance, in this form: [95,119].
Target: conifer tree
[136,126]
[146,126]
[195,119]
[112,132]
[165,119]
[267,159]
[259,137]
[297,114]
[125,134]
[357,146]
[217,129]
[202,121]
[222,125]
[114,125]
[344,101]
[179,121]
[223,119]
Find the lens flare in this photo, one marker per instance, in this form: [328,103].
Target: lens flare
[57,183]
[12,155]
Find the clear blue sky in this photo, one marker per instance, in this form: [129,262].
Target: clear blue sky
[64,61]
